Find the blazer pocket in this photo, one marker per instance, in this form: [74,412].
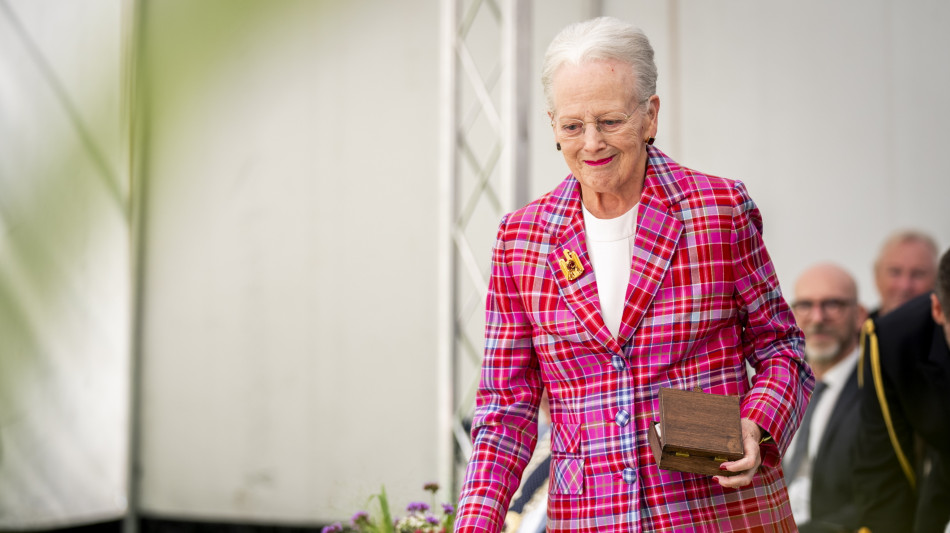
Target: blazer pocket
[567,475]
[567,465]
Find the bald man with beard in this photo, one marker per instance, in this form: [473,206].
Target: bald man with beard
[818,464]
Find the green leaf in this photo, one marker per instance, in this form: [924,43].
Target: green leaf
[387,525]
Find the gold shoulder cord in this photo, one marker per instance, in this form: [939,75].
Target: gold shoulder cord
[866,329]
[879,389]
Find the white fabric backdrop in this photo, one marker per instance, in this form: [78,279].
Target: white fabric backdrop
[64,265]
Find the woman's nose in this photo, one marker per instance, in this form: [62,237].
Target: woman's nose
[593,138]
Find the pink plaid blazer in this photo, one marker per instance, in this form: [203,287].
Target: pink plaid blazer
[703,300]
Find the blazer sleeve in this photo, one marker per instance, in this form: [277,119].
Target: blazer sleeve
[774,344]
[504,430]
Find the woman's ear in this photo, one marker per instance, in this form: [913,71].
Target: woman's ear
[653,113]
[554,130]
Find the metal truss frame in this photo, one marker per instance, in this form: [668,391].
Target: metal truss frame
[483,174]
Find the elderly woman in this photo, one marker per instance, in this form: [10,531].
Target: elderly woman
[635,273]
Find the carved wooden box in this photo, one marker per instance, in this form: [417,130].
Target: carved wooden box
[696,432]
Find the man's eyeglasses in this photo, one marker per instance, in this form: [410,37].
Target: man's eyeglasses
[608,124]
[832,307]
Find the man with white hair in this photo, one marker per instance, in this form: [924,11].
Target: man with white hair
[905,267]
[818,465]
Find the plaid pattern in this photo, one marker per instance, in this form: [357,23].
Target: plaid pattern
[703,299]
[568,476]
[566,438]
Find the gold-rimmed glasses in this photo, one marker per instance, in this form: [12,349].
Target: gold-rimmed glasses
[608,124]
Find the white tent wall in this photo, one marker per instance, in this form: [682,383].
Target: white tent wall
[289,350]
[64,265]
[834,115]
[290,171]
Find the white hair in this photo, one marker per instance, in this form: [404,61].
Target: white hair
[905,236]
[602,38]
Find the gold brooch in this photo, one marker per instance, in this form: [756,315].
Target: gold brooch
[571,265]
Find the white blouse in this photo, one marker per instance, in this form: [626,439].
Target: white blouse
[610,244]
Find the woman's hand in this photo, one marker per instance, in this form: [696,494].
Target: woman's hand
[749,464]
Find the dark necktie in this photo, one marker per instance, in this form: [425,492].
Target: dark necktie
[801,443]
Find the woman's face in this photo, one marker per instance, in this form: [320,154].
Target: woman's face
[606,164]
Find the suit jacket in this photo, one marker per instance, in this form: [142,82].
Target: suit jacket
[832,495]
[703,299]
[915,374]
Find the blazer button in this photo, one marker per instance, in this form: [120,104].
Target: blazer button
[629,476]
[618,363]
[622,418]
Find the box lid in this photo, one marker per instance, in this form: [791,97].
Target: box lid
[700,423]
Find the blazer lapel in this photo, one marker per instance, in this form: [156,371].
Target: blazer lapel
[580,293]
[657,234]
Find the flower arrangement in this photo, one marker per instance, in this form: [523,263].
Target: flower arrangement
[419,519]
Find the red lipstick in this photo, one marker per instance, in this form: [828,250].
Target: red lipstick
[599,162]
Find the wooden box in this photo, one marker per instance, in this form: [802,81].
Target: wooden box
[696,432]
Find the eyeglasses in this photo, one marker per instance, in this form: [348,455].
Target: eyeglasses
[608,124]
[832,308]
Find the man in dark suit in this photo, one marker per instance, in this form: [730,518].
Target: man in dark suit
[901,477]
[818,464]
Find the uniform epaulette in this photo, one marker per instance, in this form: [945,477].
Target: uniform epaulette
[868,332]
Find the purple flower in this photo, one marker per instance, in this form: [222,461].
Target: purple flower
[335,527]
[432,520]
[417,506]
[447,508]
[360,516]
